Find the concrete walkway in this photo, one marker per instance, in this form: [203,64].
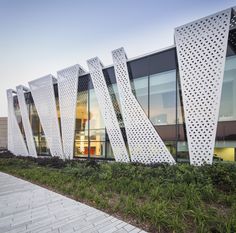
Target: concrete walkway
[25,207]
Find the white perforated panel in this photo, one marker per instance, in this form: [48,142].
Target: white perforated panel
[145,144]
[16,143]
[67,91]
[42,91]
[201,49]
[107,110]
[25,120]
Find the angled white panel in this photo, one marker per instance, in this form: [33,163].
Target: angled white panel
[107,110]
[145,145]
[16,143]
[68,91]
[42,91]
[25,120]
[201,49]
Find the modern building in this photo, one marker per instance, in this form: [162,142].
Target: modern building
[175,104]
[3,132]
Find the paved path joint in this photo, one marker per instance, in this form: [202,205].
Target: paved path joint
[29,208]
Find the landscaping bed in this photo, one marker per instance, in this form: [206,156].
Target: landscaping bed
[157,198]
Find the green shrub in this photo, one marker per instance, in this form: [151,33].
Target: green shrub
[6,154]
[158,197]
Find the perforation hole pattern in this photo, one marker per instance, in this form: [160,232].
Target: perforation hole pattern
[25,120]
[16,143]
[67,90]
[107,110]
[233,19]
[42,91]
[201,49]
[145,145]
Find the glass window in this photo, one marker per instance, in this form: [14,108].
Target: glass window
[82,111]
[180,109]
[141,92]
[38,134]
[109,151]
[43,148]
[183,154]
[96,120]
[58,112]
[35,125]
[81,125]
[97,149]
[228,96]
[97,128]
[58,107]
[97,135]
[140,89]
[81,148]
[225,150]
[81,135]
[163,98]
[113,90]
[18,116]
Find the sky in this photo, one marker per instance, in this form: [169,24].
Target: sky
[40,37]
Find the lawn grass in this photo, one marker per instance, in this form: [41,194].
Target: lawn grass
[158,198]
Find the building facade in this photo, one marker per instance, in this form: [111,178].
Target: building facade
[176,104]
[3,132]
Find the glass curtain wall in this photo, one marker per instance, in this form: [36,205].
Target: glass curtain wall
[19,118]
[228,96]
[226,133]
[163,100]
[81,125]
[141,92]
[158,92]
[113,90]
[38,134]
[97,133]
[151,92]
[226,130]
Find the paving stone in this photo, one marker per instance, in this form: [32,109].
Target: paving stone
[136,230]
[129,227]
[28,208]
[121,231]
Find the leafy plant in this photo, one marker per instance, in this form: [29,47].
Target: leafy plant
[158,197]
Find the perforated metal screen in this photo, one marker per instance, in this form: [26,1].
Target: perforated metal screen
[145,145]
[201,52]
[68,91]
[25,120]
[42,91]
[201,49]
[16,143]
[107,110]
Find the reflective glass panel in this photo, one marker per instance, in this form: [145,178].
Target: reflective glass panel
[97,135]
[225,151]
[228,96]
[81,148]
[163,98]
[96,120]
[109,151]
[97,149]
[113,89]
[141,92]
[18,116]
[81,125]
[38,134]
